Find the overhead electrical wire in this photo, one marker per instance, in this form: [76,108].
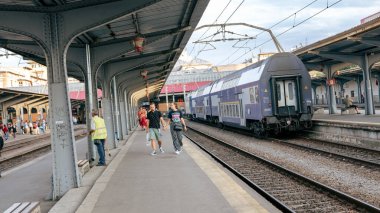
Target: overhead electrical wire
[219,28]
[220,14]
[285,31]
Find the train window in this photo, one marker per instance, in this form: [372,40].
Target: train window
[251,95]
[291,91]
[256,94]
[278,92]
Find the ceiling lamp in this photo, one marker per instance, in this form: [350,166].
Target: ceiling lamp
[138,43]
[144,74]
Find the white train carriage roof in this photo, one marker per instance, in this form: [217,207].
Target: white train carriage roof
[252,75]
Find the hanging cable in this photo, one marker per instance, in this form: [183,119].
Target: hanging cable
[218,30]
[287,30]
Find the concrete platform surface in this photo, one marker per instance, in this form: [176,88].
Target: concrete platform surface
[135,181]
[373,120]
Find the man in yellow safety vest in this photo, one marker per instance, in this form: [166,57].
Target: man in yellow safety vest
[99,134]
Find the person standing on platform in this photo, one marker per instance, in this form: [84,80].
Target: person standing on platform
[154,118]
[99,134]
[348,103]
[143,120]
[177,124]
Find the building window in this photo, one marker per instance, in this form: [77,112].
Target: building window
[20,83]
[352,93]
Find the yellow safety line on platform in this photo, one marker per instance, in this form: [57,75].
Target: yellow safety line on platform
[236,196]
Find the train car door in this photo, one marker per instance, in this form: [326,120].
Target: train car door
[290,93]
[286,93]
[280,94]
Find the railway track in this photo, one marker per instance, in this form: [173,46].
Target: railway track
[364,156]
[287,190]
[358,155]
[16,153]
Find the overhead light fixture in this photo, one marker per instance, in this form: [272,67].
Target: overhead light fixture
[138,43]
[144,74]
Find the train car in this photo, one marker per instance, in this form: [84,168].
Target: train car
[200,103]
[271,95]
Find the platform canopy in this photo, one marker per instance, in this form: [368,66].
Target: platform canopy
[357,47]
[165,26]
[357,41]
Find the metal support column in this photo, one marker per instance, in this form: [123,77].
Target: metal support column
[359,88]
[331,94]
[127,114]
[107,115]
[65,171]
[369,107]
[21,117]
[117,109]
[89,105]
[123,120]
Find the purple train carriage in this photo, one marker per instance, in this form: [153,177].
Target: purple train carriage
[270,95]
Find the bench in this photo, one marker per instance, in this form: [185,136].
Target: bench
[349,110]
[25,207]
[83,166]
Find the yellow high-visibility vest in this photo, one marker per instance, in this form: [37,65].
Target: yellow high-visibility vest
[100,128]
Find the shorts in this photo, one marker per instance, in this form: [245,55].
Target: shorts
[154,134]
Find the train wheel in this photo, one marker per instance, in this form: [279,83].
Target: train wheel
[220,125]
[259,130]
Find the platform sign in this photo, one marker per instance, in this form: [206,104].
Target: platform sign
[331,81]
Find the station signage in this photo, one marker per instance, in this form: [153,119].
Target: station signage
[331,82]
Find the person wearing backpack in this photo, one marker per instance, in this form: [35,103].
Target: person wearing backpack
[177,124]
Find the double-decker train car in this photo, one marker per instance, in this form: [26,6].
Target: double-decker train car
[270,95]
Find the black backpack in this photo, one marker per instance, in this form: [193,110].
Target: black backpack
[1,143]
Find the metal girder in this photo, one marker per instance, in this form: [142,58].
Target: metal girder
[105,53]
[9,97]
[16,101]
[39,103]
[343,57]
[75,20]
[369,41]
[117,67]
[36,100]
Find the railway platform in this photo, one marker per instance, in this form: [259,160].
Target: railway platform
[135,181]
[355,129]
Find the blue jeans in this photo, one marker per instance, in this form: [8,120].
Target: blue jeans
[100,145]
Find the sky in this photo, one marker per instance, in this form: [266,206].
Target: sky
[339,17]
[311,24]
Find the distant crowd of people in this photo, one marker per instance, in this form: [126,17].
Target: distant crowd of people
[33,128]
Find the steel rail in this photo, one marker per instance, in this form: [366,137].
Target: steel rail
[358,203]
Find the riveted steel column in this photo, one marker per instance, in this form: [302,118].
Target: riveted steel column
[21,118]
[65,171]
[123,120]
[359,87]
[89,104]
[117,109]
[331,94]
[369,107]
[126,112]
[107,115]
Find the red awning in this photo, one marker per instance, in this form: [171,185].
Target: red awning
[178,88]
[81,94]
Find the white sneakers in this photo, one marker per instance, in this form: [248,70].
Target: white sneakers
[162,150]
